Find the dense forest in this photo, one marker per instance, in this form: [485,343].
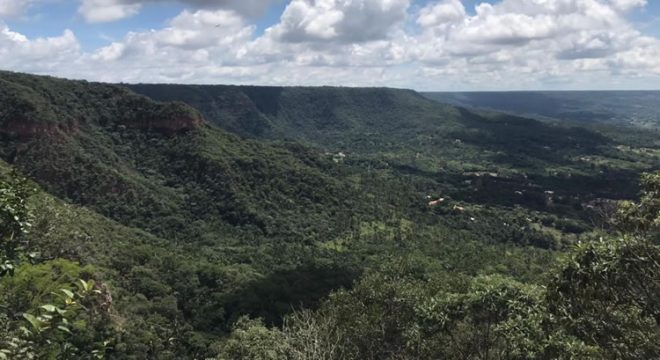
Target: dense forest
[240,222]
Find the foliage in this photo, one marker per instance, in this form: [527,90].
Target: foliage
[14,221]
[607,296]
[266,344]
[61,328]
[644,216]
[602,303]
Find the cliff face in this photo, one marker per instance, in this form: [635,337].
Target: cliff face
[32,106]
[166,118]
[29,129]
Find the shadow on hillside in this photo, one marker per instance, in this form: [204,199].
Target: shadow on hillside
[538,191]
[282,292]
[266,98]
[560,195]
[525,142]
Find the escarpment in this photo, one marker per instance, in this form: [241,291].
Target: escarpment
[35,107]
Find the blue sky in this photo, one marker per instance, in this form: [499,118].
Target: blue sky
[434,45]
[51,18]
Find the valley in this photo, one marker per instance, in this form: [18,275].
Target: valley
[202,208]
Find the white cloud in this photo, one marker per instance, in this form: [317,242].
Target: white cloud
[641,58]
[509,44]
[518,22]
[626,5]
[442,13]
[41,55]
[347,21]
[192,44]
[536,40]
[97,11]
[13,8]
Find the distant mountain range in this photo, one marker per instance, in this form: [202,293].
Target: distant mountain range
[638,108]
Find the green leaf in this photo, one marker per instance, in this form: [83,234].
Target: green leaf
[84,285]
[67,292]
[64,328]
[33,320]
[25,331]
[49,307]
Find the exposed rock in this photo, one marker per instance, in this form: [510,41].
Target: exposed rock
[26,129]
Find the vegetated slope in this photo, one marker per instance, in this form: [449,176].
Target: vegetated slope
[327,116]
[484,158]
[191,226]
[160,167]
[638,108]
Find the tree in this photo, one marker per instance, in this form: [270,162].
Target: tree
[643,217]
[251,340]
[72,321]
[608,292]
[14,221]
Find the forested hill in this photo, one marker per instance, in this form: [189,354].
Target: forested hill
[324,115]
[405,130]
[374,216]
[161,166]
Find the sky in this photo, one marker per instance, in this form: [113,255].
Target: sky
[443,45]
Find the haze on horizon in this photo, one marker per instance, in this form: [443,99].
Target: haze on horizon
[446,45]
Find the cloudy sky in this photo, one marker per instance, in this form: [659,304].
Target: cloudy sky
[420,44]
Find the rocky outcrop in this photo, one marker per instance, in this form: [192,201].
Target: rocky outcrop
[26,129]
[166,118]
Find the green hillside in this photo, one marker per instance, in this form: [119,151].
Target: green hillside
[406,133]
[159,167]
[194,209]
